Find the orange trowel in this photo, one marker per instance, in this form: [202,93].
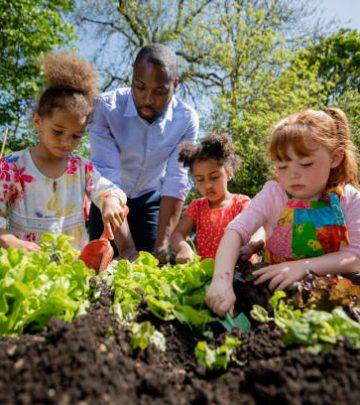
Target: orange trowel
[98,253]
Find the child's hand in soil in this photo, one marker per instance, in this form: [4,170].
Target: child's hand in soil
[185,254]
[113,213]
[220,297]
[281,275]
[8,239]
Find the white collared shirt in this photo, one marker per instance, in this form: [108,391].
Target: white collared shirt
[138,156]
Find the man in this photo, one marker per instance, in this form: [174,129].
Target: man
[134,134]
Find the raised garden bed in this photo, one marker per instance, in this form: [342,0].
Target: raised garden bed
[90,361]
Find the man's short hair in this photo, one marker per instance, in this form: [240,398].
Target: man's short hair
[161,55]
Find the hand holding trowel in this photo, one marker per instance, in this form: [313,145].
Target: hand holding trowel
[240,321]
[98,253]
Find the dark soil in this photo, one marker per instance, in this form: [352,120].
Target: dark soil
[88,362]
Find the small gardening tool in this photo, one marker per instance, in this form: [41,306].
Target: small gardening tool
[240,321]
[98,253]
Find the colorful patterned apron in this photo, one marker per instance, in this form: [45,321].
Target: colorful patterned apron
[308,229]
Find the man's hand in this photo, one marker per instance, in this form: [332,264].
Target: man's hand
[162,255]
[125,243]
[169,213]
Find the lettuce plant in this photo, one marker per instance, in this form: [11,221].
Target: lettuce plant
[36,286]
[215,359]
[170,292]
[315,329]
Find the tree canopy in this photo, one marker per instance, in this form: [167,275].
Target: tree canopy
[244,64]
[29,29]
[337,59]
[237,61]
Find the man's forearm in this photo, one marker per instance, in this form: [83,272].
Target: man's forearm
[170,209]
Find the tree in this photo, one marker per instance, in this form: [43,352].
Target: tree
[337,60]
[259,81]
[29,29]
[237,61]
[121,28]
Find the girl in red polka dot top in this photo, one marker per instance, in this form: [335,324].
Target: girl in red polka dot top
[212,163]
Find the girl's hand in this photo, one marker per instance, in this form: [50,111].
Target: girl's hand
[245,253]
[8,239]
[113,215]
[185,254]
[220,297]
[281,275]
[251,248]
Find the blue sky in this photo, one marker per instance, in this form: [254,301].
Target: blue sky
[347,12]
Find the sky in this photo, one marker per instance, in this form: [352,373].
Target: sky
[346,11]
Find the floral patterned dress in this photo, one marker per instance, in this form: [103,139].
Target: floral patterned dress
[31,203]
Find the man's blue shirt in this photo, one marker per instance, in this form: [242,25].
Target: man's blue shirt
[138,156]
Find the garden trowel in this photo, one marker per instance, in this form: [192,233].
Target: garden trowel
[98,253]
[240,321]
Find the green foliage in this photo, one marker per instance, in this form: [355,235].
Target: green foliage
[349,101]
[234,59]
[29,29]
[337,60]
[260,84]
[143,334]
[219,358]
[37,286]
[317,330]
[170,292]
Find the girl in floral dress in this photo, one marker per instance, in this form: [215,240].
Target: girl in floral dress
[42,189]
[212,163]
[311,214]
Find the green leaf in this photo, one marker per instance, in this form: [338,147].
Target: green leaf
[260,314]
[34,288]
[214,359]
[143,334]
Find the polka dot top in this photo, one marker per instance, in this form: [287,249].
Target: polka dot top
[211,223]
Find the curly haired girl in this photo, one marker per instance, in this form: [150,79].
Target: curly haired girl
[212,163]
[42,189]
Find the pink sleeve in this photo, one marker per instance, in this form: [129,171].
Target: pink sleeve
[264,210]
[192,210]
[350,205]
